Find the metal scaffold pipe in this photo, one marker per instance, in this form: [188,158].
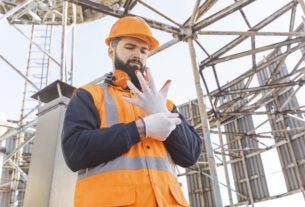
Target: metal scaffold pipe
[225,164]
[205,126]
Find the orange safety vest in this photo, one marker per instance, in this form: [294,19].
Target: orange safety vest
[144,176]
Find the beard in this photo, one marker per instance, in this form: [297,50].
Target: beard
[129,69]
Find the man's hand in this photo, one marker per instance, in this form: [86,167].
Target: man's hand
[159,126]
[150,100]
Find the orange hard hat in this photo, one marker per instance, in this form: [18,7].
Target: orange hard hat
[130,26]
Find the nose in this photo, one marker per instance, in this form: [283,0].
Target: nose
[138,54]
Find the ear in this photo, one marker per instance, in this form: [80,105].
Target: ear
[110,52]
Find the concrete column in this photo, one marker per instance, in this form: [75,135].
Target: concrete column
[50,182]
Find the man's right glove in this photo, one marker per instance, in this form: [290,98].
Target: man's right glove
[149,99]
[158,126]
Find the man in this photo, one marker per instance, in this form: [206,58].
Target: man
[123,136]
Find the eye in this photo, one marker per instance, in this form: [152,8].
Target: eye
[144,51]
[129,48]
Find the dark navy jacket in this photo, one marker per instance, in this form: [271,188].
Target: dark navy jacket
[85,144]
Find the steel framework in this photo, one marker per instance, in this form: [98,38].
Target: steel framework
[231,108]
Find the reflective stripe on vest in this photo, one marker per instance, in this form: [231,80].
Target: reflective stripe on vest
[129,163]
[125,162]
[112,116]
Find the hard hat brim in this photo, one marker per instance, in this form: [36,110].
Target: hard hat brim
[152,42]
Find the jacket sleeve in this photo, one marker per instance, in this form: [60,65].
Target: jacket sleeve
[84,143]
[184,143]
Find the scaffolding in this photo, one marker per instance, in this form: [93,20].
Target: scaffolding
[227,111]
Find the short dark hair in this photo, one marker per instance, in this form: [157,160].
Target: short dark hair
[115,41]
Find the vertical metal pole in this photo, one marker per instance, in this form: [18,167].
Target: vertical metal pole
[2,154]
[224,159]
[301,2]
[198,173]
[49,51]
[254,55]
[25,86]
[50,44]
[63,41]
[73,44]
[205,126]
[15,182]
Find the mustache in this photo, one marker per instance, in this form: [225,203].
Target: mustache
[137,61]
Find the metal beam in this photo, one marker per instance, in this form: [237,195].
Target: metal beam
[117,13]
[260,66]
[261,88]
[302,4]
[15,9]
[249,112]
[18,130]
[164,46]
[194,14]
[18,169]
[224,159]
[221,14]
[257,27]
[254,51]
[19,72]
[252,33]
[63,72]
[37,45]
[205,126]
[206,5]
[16,150]
[158,12]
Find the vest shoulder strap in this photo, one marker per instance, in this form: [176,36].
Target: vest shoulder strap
[96,93]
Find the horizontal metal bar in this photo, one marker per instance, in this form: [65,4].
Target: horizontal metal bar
[278,144]
[248,112]
[254,51]
[16,131]
[260,66]
[253,33]
[117,13]
[240,134]
[261,88]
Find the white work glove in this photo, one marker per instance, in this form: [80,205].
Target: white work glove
[158,126]
[150,100]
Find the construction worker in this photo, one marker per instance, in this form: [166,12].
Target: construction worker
[123,137]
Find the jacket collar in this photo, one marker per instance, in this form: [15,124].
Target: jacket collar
[120,79]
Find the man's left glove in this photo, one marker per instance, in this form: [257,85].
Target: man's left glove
[159,126]
[150,100]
